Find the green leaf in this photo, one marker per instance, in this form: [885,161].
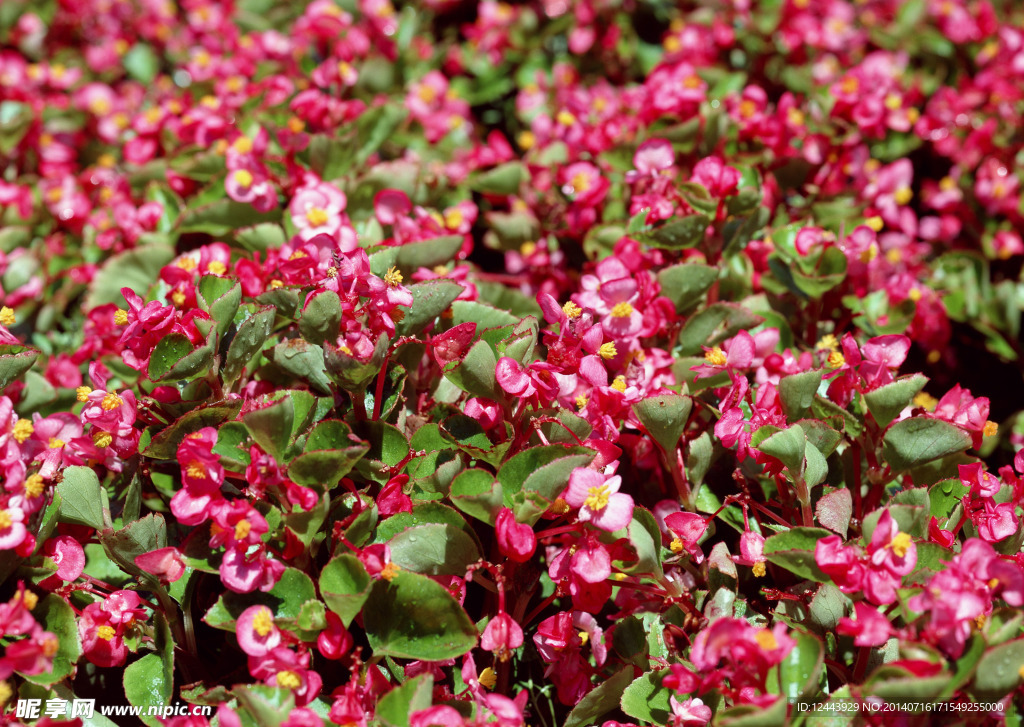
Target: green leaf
[678,233]
[265,706]
[998,671]
[149,682]
[886,402]
[485,316]
[686,284]
[321,318]
[713,325]
[412,256]
[601,700]
[169,351]
[794,551]
[647,700]
[434,549]
[304,360]
[285,599]
[477,493]
[431,298]
[261,237]
[475,373]
[164,444]
[664,417]
[503,180]
[645,539]
[395,707]
[747,715]
[222,217]
[55,615]
[912,442]
[135,269]
[82,498]
[252,334]
[828,605]
[800,671]
[141,63]
[788,446]
[834,511]
[797,393]
[271,426]
[15,361]
[220,298]
[330,454]
[345,586]
[134,539]
[413,617]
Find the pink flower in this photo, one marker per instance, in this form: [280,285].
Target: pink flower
[689,713]
[317,208]
[719,179]
[517,541]
[67,554]
[599,499]
[165,563]
[892,549]
[502,636]
[256,632]
[870,629]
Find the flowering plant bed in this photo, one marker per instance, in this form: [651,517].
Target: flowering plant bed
[562,363]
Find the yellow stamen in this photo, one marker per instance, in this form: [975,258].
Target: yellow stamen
[876,223]
[187,263]
[692,81]
[526,140]
[242,528]
[926,401]
[622,310]
[243,145]
[560,506]
[608,351]
[676,546]
[565,118]
[619,384]
[5,693]
[870,254]
[288,680]
[34,486]
[796,117]
[111,402]
[581,401]
[106,632]
[22,430]
[393,277]
[836,360]
[584,637]
[900,544]
[453,218]
[56,443]
[5,520]
[29,599]
[759,569]
[389,571]
[903,195]
[316,216]
[195,470]
[7,316]
[716,357]
[572,310]
[766,640]
[296,125]
[598,499]
[120,317]
[528,248]
[991,429]
[102,439]
[488,678]
[216,267]
[263,622]
[243,177]
[82,393]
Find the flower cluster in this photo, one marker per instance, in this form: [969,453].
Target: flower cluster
[545,363]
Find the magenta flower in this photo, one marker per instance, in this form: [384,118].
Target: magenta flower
[165,563]
[502,636]
[599,499]
[870,629]
[256,632]
[517,541]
